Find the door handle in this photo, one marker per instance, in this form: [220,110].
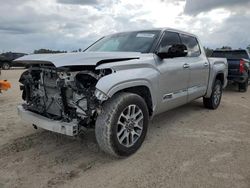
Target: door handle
[186,66]
[206,64]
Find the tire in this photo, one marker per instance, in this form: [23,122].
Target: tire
[5,66]
[243,86]
[214,101]
[116,134]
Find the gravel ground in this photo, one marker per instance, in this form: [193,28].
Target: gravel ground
[187,147]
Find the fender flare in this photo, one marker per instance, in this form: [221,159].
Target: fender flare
[129,84]
[211,84]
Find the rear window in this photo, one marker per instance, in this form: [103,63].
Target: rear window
[231,54]
[192,45]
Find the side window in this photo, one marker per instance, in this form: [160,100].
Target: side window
[169,39]
[192,45]
[9,55]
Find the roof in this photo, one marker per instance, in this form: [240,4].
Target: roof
[159,29]
[177,31]
[228,50]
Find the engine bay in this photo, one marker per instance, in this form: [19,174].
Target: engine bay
[62,93]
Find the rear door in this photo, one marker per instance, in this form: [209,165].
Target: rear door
[199,67]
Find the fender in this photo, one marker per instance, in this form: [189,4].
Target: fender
[124,79]
[217,67]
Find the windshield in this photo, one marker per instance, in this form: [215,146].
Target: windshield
[141,41]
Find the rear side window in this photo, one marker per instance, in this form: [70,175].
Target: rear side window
[192,45]
[169,39]
[231,54]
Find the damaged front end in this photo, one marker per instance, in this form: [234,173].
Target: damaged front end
[65,95]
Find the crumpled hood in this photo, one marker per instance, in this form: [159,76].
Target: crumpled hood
[77,59]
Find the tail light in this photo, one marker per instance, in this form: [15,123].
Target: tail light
[242,64]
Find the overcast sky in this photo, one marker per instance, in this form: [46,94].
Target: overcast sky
[26,25]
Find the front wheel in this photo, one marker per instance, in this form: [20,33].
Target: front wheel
[122,125]
[214,101]
[5,66]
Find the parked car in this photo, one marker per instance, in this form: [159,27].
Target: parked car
[6,60]
[118,84]
[238,66]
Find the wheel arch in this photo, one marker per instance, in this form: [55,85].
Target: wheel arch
[5,61]
[144,92]
[139,87]
[220,76]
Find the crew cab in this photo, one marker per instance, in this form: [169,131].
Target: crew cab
[118,84]
[238,66]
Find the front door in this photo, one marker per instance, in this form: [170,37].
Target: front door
[174,76]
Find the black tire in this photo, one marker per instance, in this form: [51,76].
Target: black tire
[5,66]
[106,128]
[243,86]
[214,101]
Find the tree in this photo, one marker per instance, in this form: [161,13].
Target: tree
[47,51]
[226,48]
[208,51]
[248,48]
[79,50]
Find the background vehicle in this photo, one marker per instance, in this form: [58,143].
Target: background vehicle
[6,60]
[238,66]
[117,89]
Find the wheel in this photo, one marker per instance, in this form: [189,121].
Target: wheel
[214,101]
[5,66]
[122,125]
[243,86]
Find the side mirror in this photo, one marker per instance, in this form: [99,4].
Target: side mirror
[176,50]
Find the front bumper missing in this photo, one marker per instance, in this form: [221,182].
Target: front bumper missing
[70,129]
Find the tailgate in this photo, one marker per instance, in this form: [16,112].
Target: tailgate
[233,66]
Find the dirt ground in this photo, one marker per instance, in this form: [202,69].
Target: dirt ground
[187,147]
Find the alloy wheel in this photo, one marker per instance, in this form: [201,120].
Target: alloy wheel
[130,125]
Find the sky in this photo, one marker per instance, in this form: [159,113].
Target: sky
[26,25]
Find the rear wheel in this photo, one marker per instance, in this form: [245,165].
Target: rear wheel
[6,66]
[243,86]
[122,125]
[214,101]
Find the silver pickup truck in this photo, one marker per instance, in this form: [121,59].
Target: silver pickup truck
[119,83]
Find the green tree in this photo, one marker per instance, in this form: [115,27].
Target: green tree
[47,51]
[208,51]
[248,48]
